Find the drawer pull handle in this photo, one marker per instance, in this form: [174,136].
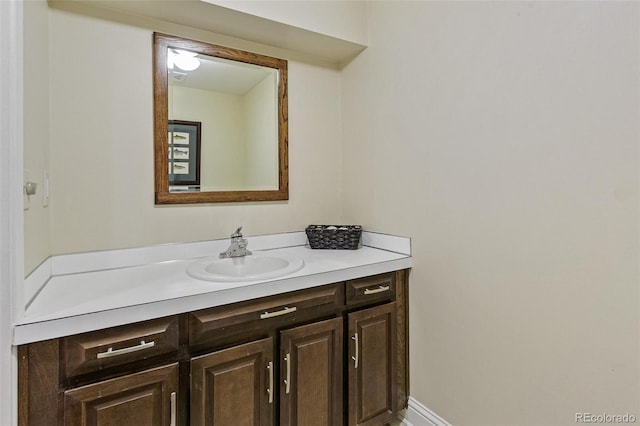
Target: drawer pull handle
[284,311]
[287,381]
[270,390]
[355,358]
[380,289]
[173,409]
[110,352]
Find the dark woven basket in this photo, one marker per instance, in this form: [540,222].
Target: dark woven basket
[342,237]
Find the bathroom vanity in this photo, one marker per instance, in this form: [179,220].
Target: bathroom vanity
[326,345]
[129,337]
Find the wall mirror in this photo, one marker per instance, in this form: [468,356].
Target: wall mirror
[220,123]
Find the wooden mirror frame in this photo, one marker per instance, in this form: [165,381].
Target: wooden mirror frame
[161,43]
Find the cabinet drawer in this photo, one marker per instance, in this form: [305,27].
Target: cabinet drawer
[253,316]
[371,289]
[94,351]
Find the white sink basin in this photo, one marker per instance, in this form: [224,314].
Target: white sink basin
[257,266]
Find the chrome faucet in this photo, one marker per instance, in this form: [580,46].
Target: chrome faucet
[238,247]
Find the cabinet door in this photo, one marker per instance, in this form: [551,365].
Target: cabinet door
[234,386]
[147,398]
[311,373]
[372,365]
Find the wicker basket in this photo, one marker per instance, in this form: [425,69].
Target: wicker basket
[342,237]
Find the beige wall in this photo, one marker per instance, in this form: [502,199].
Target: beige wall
[37,219]
[503,138]
[261,110]
[336,18]
[262,135]
[102,143]
[222,133]
[239,134]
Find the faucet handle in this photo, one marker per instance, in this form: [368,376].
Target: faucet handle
[238,233]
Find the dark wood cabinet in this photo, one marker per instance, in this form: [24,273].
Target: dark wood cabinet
[325,356]
[311,371]
[234,386]
[99,350]
[255,319]
[372,365]
[145,398]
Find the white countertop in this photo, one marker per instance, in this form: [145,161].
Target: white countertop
[92,291]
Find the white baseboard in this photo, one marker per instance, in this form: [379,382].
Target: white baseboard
[419,415]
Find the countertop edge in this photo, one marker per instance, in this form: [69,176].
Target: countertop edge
[54,328]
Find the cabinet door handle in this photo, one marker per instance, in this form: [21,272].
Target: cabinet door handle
[110,352]
[284,311]
[287,381]
[355,358]
[173,409]
[270,390]
[380,289]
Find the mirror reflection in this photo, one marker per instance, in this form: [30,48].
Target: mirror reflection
[234,107]
[220,124]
